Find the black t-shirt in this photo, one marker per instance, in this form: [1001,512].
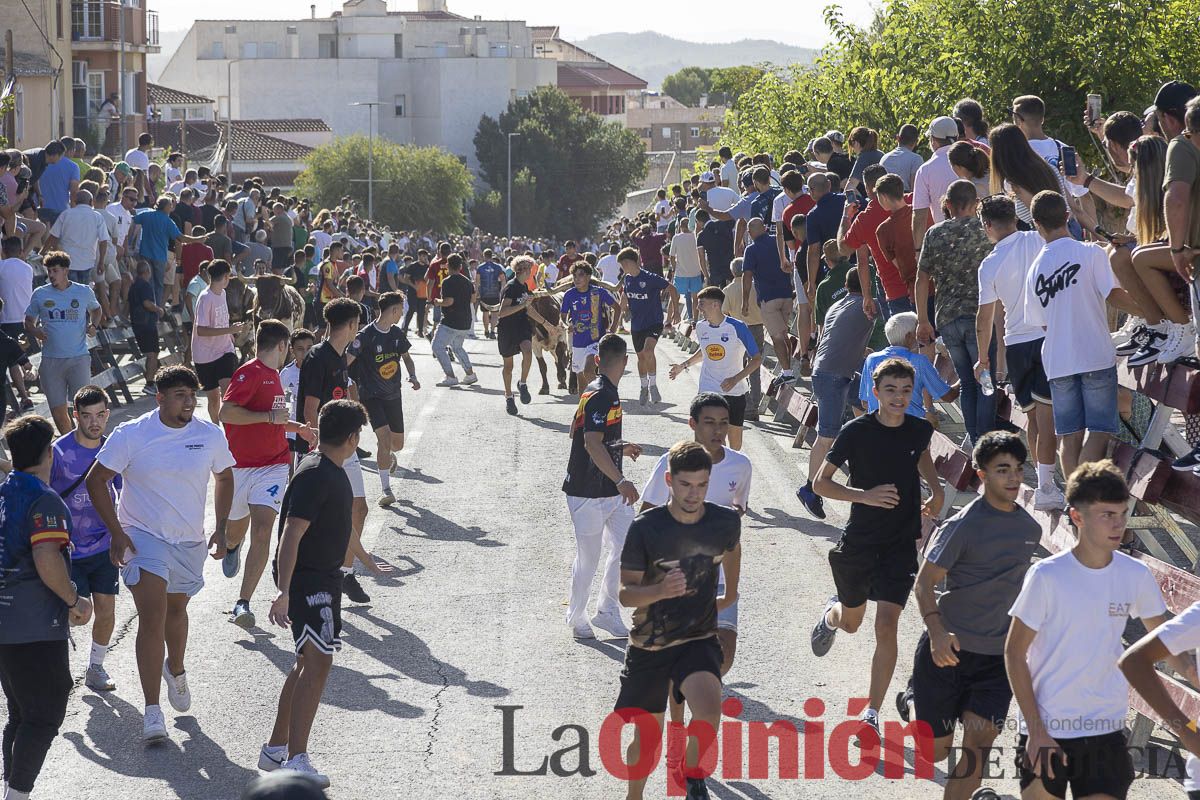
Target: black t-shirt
[716,237]
[377,355]
[323,375]
[878,454]
[415,273]
[599,410]
[656,544]
[840,163]
[208,216]
[320,493]
[460,288]
[517,323]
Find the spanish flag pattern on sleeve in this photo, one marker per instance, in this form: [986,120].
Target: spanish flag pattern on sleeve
[49,526]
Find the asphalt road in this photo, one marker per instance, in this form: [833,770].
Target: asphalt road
[472,620]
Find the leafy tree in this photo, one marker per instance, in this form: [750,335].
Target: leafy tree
[579,166]
[490,212]
[416,187]
[687,85]
[727,84]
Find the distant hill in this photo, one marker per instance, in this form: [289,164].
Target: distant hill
[653,56]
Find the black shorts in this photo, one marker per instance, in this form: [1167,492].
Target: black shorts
[95,575]
[979,684]
[315,607]
[509,339]
[648,673]
[866,570]
[1095,765]
[490,301]
[14,329]
[147,339]
[1026,373]
[298,445]
[385,413]
[212,373]
[737,409]
[640,337]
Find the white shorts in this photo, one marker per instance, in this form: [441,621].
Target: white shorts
[109,274]
[258,486]
[180,564]
[581,356]
[354,473]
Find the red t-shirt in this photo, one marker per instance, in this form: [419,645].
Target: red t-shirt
[894,236]
[566,262]
[256,387]
[193,256]
[437,272]
[862,233]
[801,205]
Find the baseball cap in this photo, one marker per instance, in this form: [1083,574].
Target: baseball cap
[835,136]
[708,177]
[1173,95]
[943,128]
[122,166]
[747,179]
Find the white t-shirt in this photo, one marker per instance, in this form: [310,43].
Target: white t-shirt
[610,268]
[289,379]
[725,347]
[137,159]
[1049,150]
[729,176]
[778,205]
[722,198]
[124,220]
[1002,276]
[729,484]
[1180,635]
[1067,291]
[552,273]
[687,257]
[173,174]
[80,230]
[1131,220]
[112,227]
[321,240]
[16,287]
[662,212]
[165,474]
[1079,615]
[930,183]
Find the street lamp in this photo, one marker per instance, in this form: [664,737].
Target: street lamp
[370,154]
[508,195]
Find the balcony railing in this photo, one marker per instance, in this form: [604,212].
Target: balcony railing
[108,21]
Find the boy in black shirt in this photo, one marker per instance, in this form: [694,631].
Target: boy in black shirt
[515,330]
[669,570]
[374,359]
[876,558]
[314,532]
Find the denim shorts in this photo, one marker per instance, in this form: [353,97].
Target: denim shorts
[831,391]
[1087,401]
[689,285]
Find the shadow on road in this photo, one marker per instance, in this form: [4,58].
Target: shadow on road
[609,648]
[777,518]
[429,525]
[405,474]
[550,425]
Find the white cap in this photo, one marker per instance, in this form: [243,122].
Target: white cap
[943,128]
[708,177]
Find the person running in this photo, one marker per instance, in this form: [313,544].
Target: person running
[583,308]
[314,533]
[876,559]
[37,604]
[378,350]
[1064,643]
[213,352]
[164,458]
[670,568]
[641,294]
[455,323]
[255,414]
[982,554]
[599,497]
[514,325]
[93,573]
[300,342]
[728,355]
[324,376]
[489,286]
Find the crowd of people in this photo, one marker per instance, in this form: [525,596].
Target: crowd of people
[860,268]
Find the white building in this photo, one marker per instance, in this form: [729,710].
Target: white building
[434,73]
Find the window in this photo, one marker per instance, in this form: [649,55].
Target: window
[695,133]
[398,45]
[327,45]
[230,29]
[400,105]
[439,50]
[59,12]
[218,50]
[666,132]
[292,30]
[269,50]
[499,50]
[95,91]
[178,114]
[249,49]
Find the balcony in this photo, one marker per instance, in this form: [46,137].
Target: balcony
[106,25]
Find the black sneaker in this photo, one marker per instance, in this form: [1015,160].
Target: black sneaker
[354,593]
[985,793]
[510,405]
[697,789]
[779,381]
[523,390]
[1188,462]
[362,453]
[812,501]
[902,701]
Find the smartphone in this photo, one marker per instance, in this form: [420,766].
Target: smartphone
[1103,234]
[1093,108]
[1070,163]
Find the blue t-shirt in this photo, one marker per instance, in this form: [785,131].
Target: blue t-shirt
[390,267]
[584,312]
[489,279]
[822,222]
[742,208]
[139,315]
[71,460]
[761,260]
[30,514]
[927,379]
[55,184]
[761,205]
[64,314]
[644,292]
[158,231]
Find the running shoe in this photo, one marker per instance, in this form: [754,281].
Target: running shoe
[154,726]
[271,758]
[177,689]
[811,500]
[352,590]
[447,381]
[1156,337]
[644,396]
[903,699]
[97,679]
[1188,462]
[779,381]
[232,561]
[27,404]
[469,378]
[611,621]
[1181,343]
[697,789]
[361,453]
[510,405]
[241,615]
[386,499]
[1136,339]
[869,721]
[300,763]
[822,634]
[523,390]
[985,793]
[1049,498]
[655,397]
[583,631]
[149,389]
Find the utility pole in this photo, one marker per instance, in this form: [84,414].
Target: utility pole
[370,104]
[121,74]
[10,118]
[229,118]
[508,194]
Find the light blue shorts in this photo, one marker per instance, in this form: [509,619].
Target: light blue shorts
[689,285]
[1087,401]
[180,565]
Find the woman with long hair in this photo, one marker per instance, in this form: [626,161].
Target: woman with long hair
[972,164]
[864,144]
[1018,170]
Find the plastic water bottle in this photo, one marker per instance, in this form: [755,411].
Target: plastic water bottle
[985,383]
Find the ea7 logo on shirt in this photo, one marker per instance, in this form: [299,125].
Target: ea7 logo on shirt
[1049,285]
[196,446]
[1119,609]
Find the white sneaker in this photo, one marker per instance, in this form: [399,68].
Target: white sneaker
[1049,498]
[386,499]
[271,758]
[177,689]
[1181,342]
[447,381]
[611,621]
[583,631]
[1122,337]
[1155,342]
[300,763]
[154,726]
[469,378]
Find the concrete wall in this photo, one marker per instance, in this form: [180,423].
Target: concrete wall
[36,124]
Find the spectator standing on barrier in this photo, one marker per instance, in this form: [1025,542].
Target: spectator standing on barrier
[902,161]
[158,231]
[79,231]
[858,233]
[771,280]
[933,179]
[901,333]
[57,183]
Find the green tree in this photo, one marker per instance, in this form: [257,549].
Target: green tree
[727,84]
[579,167]
[490,212]
[416,187]
[687,85]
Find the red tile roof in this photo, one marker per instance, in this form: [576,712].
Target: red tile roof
[601,75]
